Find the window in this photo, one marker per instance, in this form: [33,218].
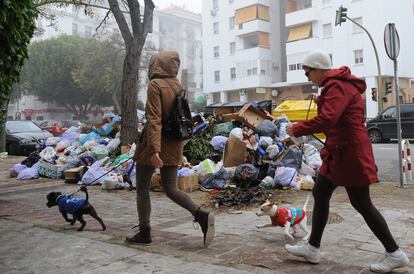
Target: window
[231,23]
[300,32]
[295,61]
[74,29]
[252,13]
[216,28]
[216,76]
[358,56]
[215,4]
[28,117]
[232,48]
[256,39]
[216,52]
[39,118]
[88,31]
[389,113]
[254,71]
[75,9]
[232,73]
[355,28]
[327,30]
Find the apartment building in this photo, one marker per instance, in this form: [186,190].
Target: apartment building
[311,24]
[243,49]
[176,28]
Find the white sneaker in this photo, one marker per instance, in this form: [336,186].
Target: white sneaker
[303,250]
[389,263]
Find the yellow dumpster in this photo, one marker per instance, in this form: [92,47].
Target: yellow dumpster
[297,111]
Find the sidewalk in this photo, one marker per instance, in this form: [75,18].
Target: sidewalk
[36,239]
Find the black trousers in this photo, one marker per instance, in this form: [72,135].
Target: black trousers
[360,199]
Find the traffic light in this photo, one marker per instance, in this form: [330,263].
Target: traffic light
[374,94]
[388,87]
[340,15]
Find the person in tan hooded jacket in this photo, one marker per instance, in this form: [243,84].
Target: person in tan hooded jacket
[156,151]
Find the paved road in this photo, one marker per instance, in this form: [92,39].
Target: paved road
[386,157]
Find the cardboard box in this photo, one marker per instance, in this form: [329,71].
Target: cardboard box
[48,170]
[74,175]
[184,183]
[188,183]
[235,152]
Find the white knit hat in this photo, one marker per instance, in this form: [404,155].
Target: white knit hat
[317,59]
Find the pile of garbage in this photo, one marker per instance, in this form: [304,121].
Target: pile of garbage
[83,155]
[255,151]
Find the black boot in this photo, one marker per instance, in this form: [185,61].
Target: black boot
[143,236]
[206,221]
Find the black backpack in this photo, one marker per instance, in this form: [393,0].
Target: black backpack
[179,125]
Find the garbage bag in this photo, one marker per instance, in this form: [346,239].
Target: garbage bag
[223,129]
[73,129]
[265,142]
[113,144]
[70,136]
[282,131]
[246,175]
[99,153]
[105,129]
[48,154]
[16,169]
[292,158]
[112,181]
[312,156]
[94,172]
[90,136]
[216,180]
[205,168]
[267,128]
[238,132]
[29,173]
[272,151]
[60,147]
[307,170]
[52,141]
[121,158]
[185,171]
[267,183]
[218,142]
[285,177]
[32,159]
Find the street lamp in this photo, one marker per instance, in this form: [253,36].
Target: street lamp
[341,18]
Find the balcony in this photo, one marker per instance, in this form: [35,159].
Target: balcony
[252,54]
[302,16]
[303,45]
[253,26]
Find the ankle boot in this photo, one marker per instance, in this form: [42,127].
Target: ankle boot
[206,221]
[143,236]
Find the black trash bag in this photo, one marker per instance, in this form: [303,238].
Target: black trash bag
[246,175]
[216,180]
[271,171]
[267,128]
[32,159]
[292,158]
[262,171]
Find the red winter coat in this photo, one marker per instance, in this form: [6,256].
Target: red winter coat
[347,157]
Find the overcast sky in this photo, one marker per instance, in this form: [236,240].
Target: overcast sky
[193,5]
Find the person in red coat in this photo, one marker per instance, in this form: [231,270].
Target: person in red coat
[347,157]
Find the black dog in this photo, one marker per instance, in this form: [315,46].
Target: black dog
[75,206]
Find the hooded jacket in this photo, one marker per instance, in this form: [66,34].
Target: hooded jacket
[163,67]
[348,158]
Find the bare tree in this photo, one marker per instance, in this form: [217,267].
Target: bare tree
[134,43]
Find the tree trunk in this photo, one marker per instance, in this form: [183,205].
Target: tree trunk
[129,96]
[3,118]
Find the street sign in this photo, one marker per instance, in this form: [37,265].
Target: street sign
[391,41]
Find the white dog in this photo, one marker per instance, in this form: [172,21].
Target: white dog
[285,217]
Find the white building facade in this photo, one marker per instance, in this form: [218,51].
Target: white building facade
[311,24]
[243,49]
[178,29]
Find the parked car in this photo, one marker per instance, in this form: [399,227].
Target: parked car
[22,137]
[384,127]
[57,127]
